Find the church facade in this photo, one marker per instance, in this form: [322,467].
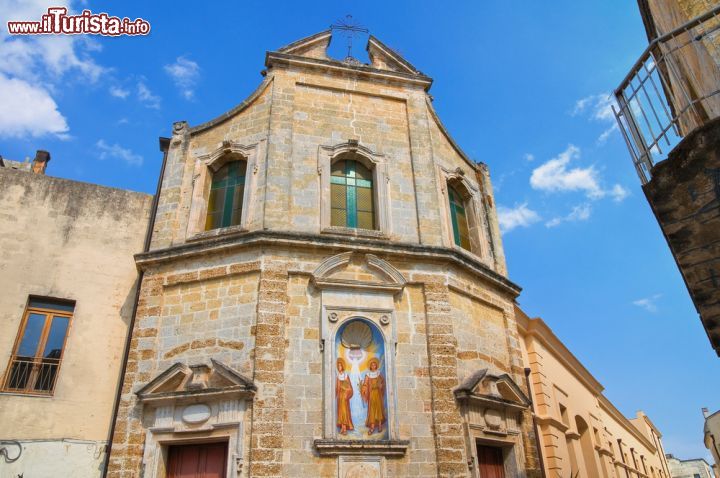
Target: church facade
[317,289]
[325,291]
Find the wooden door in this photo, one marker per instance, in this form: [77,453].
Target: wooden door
[490,462]
[208,460]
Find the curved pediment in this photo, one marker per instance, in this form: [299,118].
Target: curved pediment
[360,271]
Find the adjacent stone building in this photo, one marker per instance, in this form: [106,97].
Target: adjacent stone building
[580,431]
[711,437]
[695,468]
[67,282]
[669,115]
[325,292]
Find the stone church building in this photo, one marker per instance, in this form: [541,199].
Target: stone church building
[322,292]
[325,238]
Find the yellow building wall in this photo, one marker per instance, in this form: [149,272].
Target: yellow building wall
[580,431]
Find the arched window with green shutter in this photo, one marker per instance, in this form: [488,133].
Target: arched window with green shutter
[226,196]
[352,202]
[459,219]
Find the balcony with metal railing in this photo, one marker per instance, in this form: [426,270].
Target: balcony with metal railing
[673,88]
[668,111]
[32,375]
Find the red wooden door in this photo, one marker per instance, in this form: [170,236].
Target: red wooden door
[197,461]
[490,462]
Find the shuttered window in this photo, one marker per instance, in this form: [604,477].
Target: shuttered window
[226,196]
[459,219]
[351,195]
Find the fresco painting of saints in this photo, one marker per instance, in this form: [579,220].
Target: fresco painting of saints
[360,382]
[373,393]
[343,392]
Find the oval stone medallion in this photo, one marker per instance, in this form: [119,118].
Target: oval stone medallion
[196,413]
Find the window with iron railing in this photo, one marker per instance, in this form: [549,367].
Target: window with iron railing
[38,351]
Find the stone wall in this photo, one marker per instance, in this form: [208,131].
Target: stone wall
[273,300]
[579,429]
[685,196]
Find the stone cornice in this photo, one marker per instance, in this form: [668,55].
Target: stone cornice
[375,44]
[332,243]
[278,58]
[446,133]
[552,421]
[610,409]
[232,112]
[539,329]
[361,447]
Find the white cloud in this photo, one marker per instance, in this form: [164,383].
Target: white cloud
[519,216]
[579,213]
[554,175]
[46,57]
[147,97]
[32,68]
[606,134]
[119,92]
[28,110]
[116,151]
[648,303]
[618,193]
[598,108]
[529,157]
[185,73]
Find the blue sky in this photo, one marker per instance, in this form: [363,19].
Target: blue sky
[521,87]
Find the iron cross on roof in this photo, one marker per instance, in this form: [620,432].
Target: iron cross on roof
[350,28]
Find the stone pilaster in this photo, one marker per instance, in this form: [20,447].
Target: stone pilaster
[423,168]
[129,435]
[280,150]
[266,442]
[442,357]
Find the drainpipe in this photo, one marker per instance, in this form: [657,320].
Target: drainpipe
[535,426]
[164,147]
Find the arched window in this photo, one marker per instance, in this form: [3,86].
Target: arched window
[459,219]
[226,196]
[351,195]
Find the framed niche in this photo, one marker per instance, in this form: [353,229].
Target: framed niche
[455,188]
[206,166]
[358,337]
[329,158]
